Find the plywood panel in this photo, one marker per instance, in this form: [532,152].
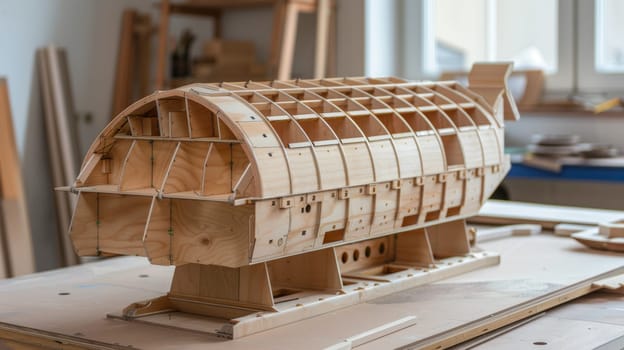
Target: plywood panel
[385,161]
[137,169]
[471,148]
[491,147]
[271,229]
[273,170]
[186,170]
[431,152]
[409,157]
[303,170]
[83,229]
[331,166]
[189,231]
[124,237]
[358,163]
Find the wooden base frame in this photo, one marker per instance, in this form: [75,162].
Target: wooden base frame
[235,302]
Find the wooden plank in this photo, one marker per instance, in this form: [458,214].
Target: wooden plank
[548,216]
[279,13]
[61,136]
[323,16]
[10,173]
[122,95]
[143,30]
[61,199]
[16,228]
[289,36]
[163,38]
[4,263]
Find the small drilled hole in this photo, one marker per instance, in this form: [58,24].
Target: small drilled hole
[382,248]
[270,241]
[540,343]
[252,117]
[367,251]
[270,154]
[63,293]
[264,135]
[308,208]
[356,255]
[303,233]
[345,257]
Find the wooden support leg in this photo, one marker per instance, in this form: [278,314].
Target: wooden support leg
[316,270]
[214,291]
[413,248]
[225,292]
[449,239]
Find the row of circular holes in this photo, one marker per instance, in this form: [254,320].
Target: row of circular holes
[356,253]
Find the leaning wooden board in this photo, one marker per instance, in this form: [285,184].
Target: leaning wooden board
[531,267]
[13,215]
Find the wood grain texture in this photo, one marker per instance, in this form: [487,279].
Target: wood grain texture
[185,173]
[189,231]
[123,237]
[18,248]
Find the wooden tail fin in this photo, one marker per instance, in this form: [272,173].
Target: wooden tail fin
[490,81]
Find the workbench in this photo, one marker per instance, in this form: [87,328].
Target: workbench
[67,308]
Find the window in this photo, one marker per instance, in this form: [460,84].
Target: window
[609,29]
[576,42]
[467,31]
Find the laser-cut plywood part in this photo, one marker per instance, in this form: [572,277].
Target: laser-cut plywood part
[607,236]
[265,192]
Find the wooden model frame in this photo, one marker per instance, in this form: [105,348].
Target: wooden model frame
[257,191]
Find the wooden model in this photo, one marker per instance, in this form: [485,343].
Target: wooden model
[281,200]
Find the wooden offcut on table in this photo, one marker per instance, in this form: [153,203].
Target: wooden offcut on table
[537,273]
